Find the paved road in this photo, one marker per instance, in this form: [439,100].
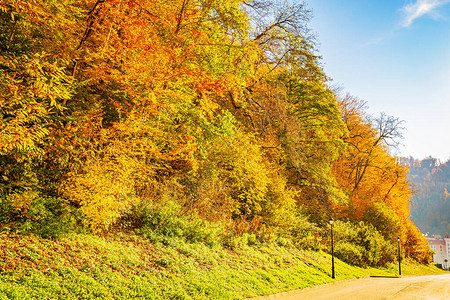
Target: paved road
[411,287]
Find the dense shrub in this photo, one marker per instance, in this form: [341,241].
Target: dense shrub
[350,253]
[384,219]
[167,219]
[45,216]
[362,244]
[306,235]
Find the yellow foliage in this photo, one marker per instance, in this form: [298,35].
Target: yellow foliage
[105,189]
[237,180]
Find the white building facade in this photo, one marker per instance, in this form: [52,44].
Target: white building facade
[441,247]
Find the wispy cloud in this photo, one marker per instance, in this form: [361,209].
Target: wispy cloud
[380,39]
[411,11]
[421,8]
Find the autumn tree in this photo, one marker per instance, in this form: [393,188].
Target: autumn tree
[110,106]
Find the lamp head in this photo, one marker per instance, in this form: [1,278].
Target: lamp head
[398,239]
[331,221]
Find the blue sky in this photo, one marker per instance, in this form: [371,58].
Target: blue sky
[395,55]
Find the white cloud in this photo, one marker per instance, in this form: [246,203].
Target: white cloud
[420,8]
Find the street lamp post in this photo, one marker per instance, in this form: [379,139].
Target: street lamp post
[332,249]
[399,258]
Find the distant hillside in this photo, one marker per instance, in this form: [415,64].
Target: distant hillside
[431,204]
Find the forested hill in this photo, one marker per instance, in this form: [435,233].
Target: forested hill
[431,202]
[124,114]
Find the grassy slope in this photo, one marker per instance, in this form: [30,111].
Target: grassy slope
[127,266]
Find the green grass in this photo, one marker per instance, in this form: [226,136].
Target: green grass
[127,266]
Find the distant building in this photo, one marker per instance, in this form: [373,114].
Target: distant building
[441,247]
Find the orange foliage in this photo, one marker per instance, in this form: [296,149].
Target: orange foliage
[366,170]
